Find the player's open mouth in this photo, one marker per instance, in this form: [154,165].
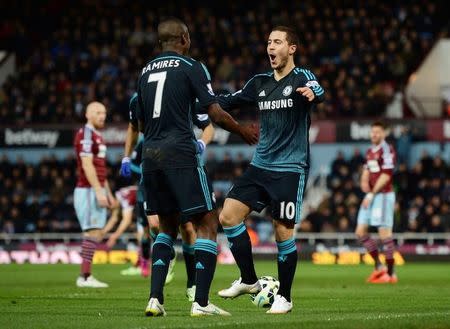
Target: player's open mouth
[272,58]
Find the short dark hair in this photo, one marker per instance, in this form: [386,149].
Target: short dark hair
[291,34]
[170,29]
[380,124]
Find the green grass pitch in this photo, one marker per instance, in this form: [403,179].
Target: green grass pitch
[325,296]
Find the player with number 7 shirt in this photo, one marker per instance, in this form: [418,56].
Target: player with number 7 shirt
[175,180]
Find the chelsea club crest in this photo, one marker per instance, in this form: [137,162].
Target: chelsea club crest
[287,90]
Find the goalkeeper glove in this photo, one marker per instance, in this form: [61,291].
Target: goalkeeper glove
[125,168]
[201,146]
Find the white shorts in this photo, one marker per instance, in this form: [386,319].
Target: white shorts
[90,215]
[380,212]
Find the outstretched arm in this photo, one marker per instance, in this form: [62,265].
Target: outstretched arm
[248,133]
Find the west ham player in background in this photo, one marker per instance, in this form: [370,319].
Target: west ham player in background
[377,207]
[278,172]
[92,195]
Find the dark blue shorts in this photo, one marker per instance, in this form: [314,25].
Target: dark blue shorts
[178,190]
[282,190]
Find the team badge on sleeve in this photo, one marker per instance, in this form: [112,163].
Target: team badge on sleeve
[312,83]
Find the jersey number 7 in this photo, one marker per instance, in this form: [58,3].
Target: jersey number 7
[160,78]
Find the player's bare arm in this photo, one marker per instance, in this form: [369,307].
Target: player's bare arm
[306,92]
[206,138]
[112,221]
[248,133]
[131,139]
[124,223]
[91,175]
[208,134]
[380,183]
[365,181]
[312,91]
[112,202]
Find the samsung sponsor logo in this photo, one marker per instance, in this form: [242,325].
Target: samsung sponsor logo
[276,104]
[31,137]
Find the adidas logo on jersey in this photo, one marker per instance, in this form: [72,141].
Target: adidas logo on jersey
[262,93]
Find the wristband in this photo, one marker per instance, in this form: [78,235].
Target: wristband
[369,196]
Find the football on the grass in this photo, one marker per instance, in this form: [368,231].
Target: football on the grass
[269,288]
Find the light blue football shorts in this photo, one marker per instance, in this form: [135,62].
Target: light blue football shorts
[380,212]
[90,215]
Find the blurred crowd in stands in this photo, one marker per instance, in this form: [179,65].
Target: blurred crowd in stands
[39,198]
[69,53]
[422,197]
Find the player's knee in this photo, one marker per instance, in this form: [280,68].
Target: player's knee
[283,230]
[384,233]
[227,219]
[187,230]
[94,234]
[224,219]
[207,225]
[360,232]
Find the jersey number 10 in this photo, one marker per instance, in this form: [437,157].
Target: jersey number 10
[160,78]
[287,210]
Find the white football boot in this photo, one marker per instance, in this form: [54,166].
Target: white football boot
[238,288]
[155,308]
[171,272]
[90,282]
[280,306]
[190,293]
[132,270]
[210,309]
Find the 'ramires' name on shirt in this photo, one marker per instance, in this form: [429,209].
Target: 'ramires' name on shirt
[276,104]
[161,65]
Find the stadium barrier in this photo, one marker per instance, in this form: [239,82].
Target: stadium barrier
[320,248]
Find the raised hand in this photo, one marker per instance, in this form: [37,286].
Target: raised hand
[307,92]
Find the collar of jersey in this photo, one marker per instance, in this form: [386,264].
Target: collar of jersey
[376,148]
[92,128]
[273,75]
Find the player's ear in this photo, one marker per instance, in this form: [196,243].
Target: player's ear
[184,39]
[292,49]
